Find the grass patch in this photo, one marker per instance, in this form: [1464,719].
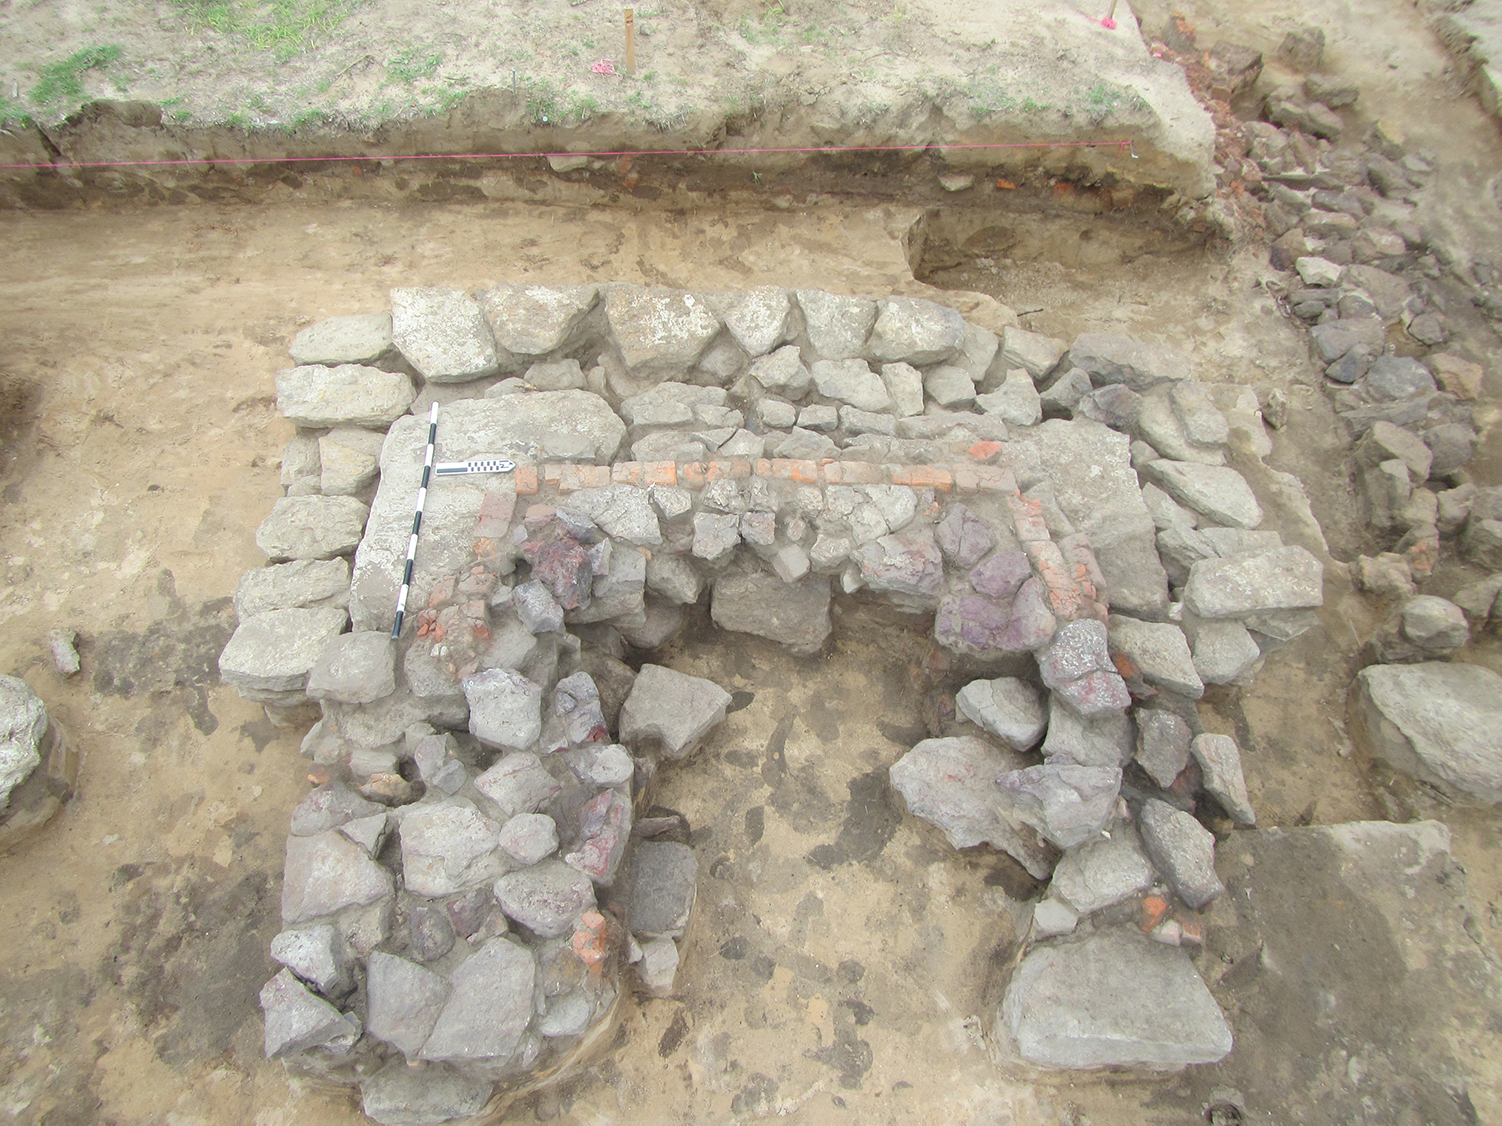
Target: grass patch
[63,81]
[284,27]
[986,97]
[412,65]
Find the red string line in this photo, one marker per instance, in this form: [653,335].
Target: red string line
[1124,146]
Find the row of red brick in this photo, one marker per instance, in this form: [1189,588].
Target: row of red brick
[567,477]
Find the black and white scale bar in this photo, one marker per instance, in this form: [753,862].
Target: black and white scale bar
[474,465]
[422,497]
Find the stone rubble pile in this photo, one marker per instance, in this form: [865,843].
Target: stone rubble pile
[460,891]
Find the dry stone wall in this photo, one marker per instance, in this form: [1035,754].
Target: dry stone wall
[464,890]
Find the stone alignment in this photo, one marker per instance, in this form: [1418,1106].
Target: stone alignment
[464,888]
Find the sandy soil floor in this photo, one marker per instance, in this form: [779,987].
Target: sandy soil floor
[843,960]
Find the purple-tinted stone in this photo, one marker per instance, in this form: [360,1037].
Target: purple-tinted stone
[1032,622]
[562,566]
[1068,804]
[1001,574]
[468,912]
[971,621]
[604,823]
[1079,648]
[1100,693]
[576,701]
[964,538]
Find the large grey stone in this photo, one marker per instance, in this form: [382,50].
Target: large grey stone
[401,1094]
[1159,651]
[300,584]
[908,564]
[837,326]
[1224,652]
[623,512]
[1216,491]
[326,872]
[319,956]
[1104,741]
[1437,722]
[671,710]
[1102,872]
[1163,740]
[1068,804]
[1333,339]
[315,527]
[853,382]
[274,652]
[1220,762]
[674,577]
[1392,378]
[535,320]
[758,318]
[1077,666]
[1016,401]
[1113,999]
[951,783]
[1182,849]
[355,668]
[1109,358]
[356,339]
[658,331]
[447,848]
[296,1020]
[1033,352]
[530,427]
[792,614]
[505,708]
[404,1001]
[546,898]
[914,331]
[1287,578]
[23,722]
[782,372]
[518,783]
[664,881]
[348,460]
[1090,470]
[1008,708]
[443,334]
[347,395]
[489,1007]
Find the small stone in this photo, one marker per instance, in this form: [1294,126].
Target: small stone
[319,956]
[1114,405]
[273,652]
[1318,271]
[1393,378]
[1016,401]
[1067,804]
[819,417]
[565,1016]
[1220,762]
[1033,352]
[1224,652]
[546,898]
[658,966]
[1065,393]
[1160,653]
[1000,574]
[489,1006]
[1105,741]
[1008,708]
[518,783]
[853,382]
[783,372]
[715,536]
[1162,745]
[296,1020]
[949,386]
[404,1001]
[674,578]
[1218,492]
[904,384]
[1458,376]
[1435,624]
[664,881]
[775,414]
[429,932]
[529,837]
[1181,849]
[1109,358]
[1052,917]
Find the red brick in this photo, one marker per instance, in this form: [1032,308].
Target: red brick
[1027,518]
[626,473]
[865,473]
[595,476]
[551,472]
[691,475]
[834,472]
[986,451]
[764,467]
[571,478]
[659,473]
[966,480]
[994,478]
[805,471]
[525,477]
[922,476]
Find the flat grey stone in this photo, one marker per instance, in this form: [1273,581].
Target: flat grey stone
[1112,999]
[401,1094]
[1162,745]
[443,334]
[383,722]
[1393,378]
[1217,491]
[535,320]
[1107,740]
[329,806]
[300,584]
[664,881]
[448,848]
[1224,652]
[518,783]
[949,386]
[1011,709]
[758,318]
[326,872]
[274,651]
[837,326]
[1384,441]
[1334,339]
[296,1020]
[792,614]
[1288,578]
[1437,722]
[1016,401]
[622,512]
[489,1007]
[524,427]
[674,578]
[1067,804]
[23,722]
[659,331]
[1090,471]
[851,381]
[1110,358]
[1033,352]
[1160,653]
[546,898]
[904,384]
[404,1001]
[1102,872]
[782,372]
[556,375]
[536,608]
[529,837]
[1181,849]
[505,708]
[355,668]
[911,330]
[951,783]
[1065,392]
[357,339]
[671,709]
[319,956]
[348,461]
[348,395]
[1220,762]
[314,527]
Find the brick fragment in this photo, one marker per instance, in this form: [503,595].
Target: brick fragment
[525,477]
[659,473]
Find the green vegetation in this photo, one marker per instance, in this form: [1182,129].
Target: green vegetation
[987,96]
[284,27]
[412,65]
[63,81]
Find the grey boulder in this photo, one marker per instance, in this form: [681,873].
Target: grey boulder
[401,1094]
[23,722]
[347,395]
[793,614]
[489,1007]
[296,1020]
[1183,850]
[314,527]
[272,653]
[356,339]
[671,710]
[443,334]
[1011,709]
[355,668]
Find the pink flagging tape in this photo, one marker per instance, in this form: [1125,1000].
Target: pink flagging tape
[1124,146]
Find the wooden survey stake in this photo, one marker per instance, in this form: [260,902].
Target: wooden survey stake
[631,41]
